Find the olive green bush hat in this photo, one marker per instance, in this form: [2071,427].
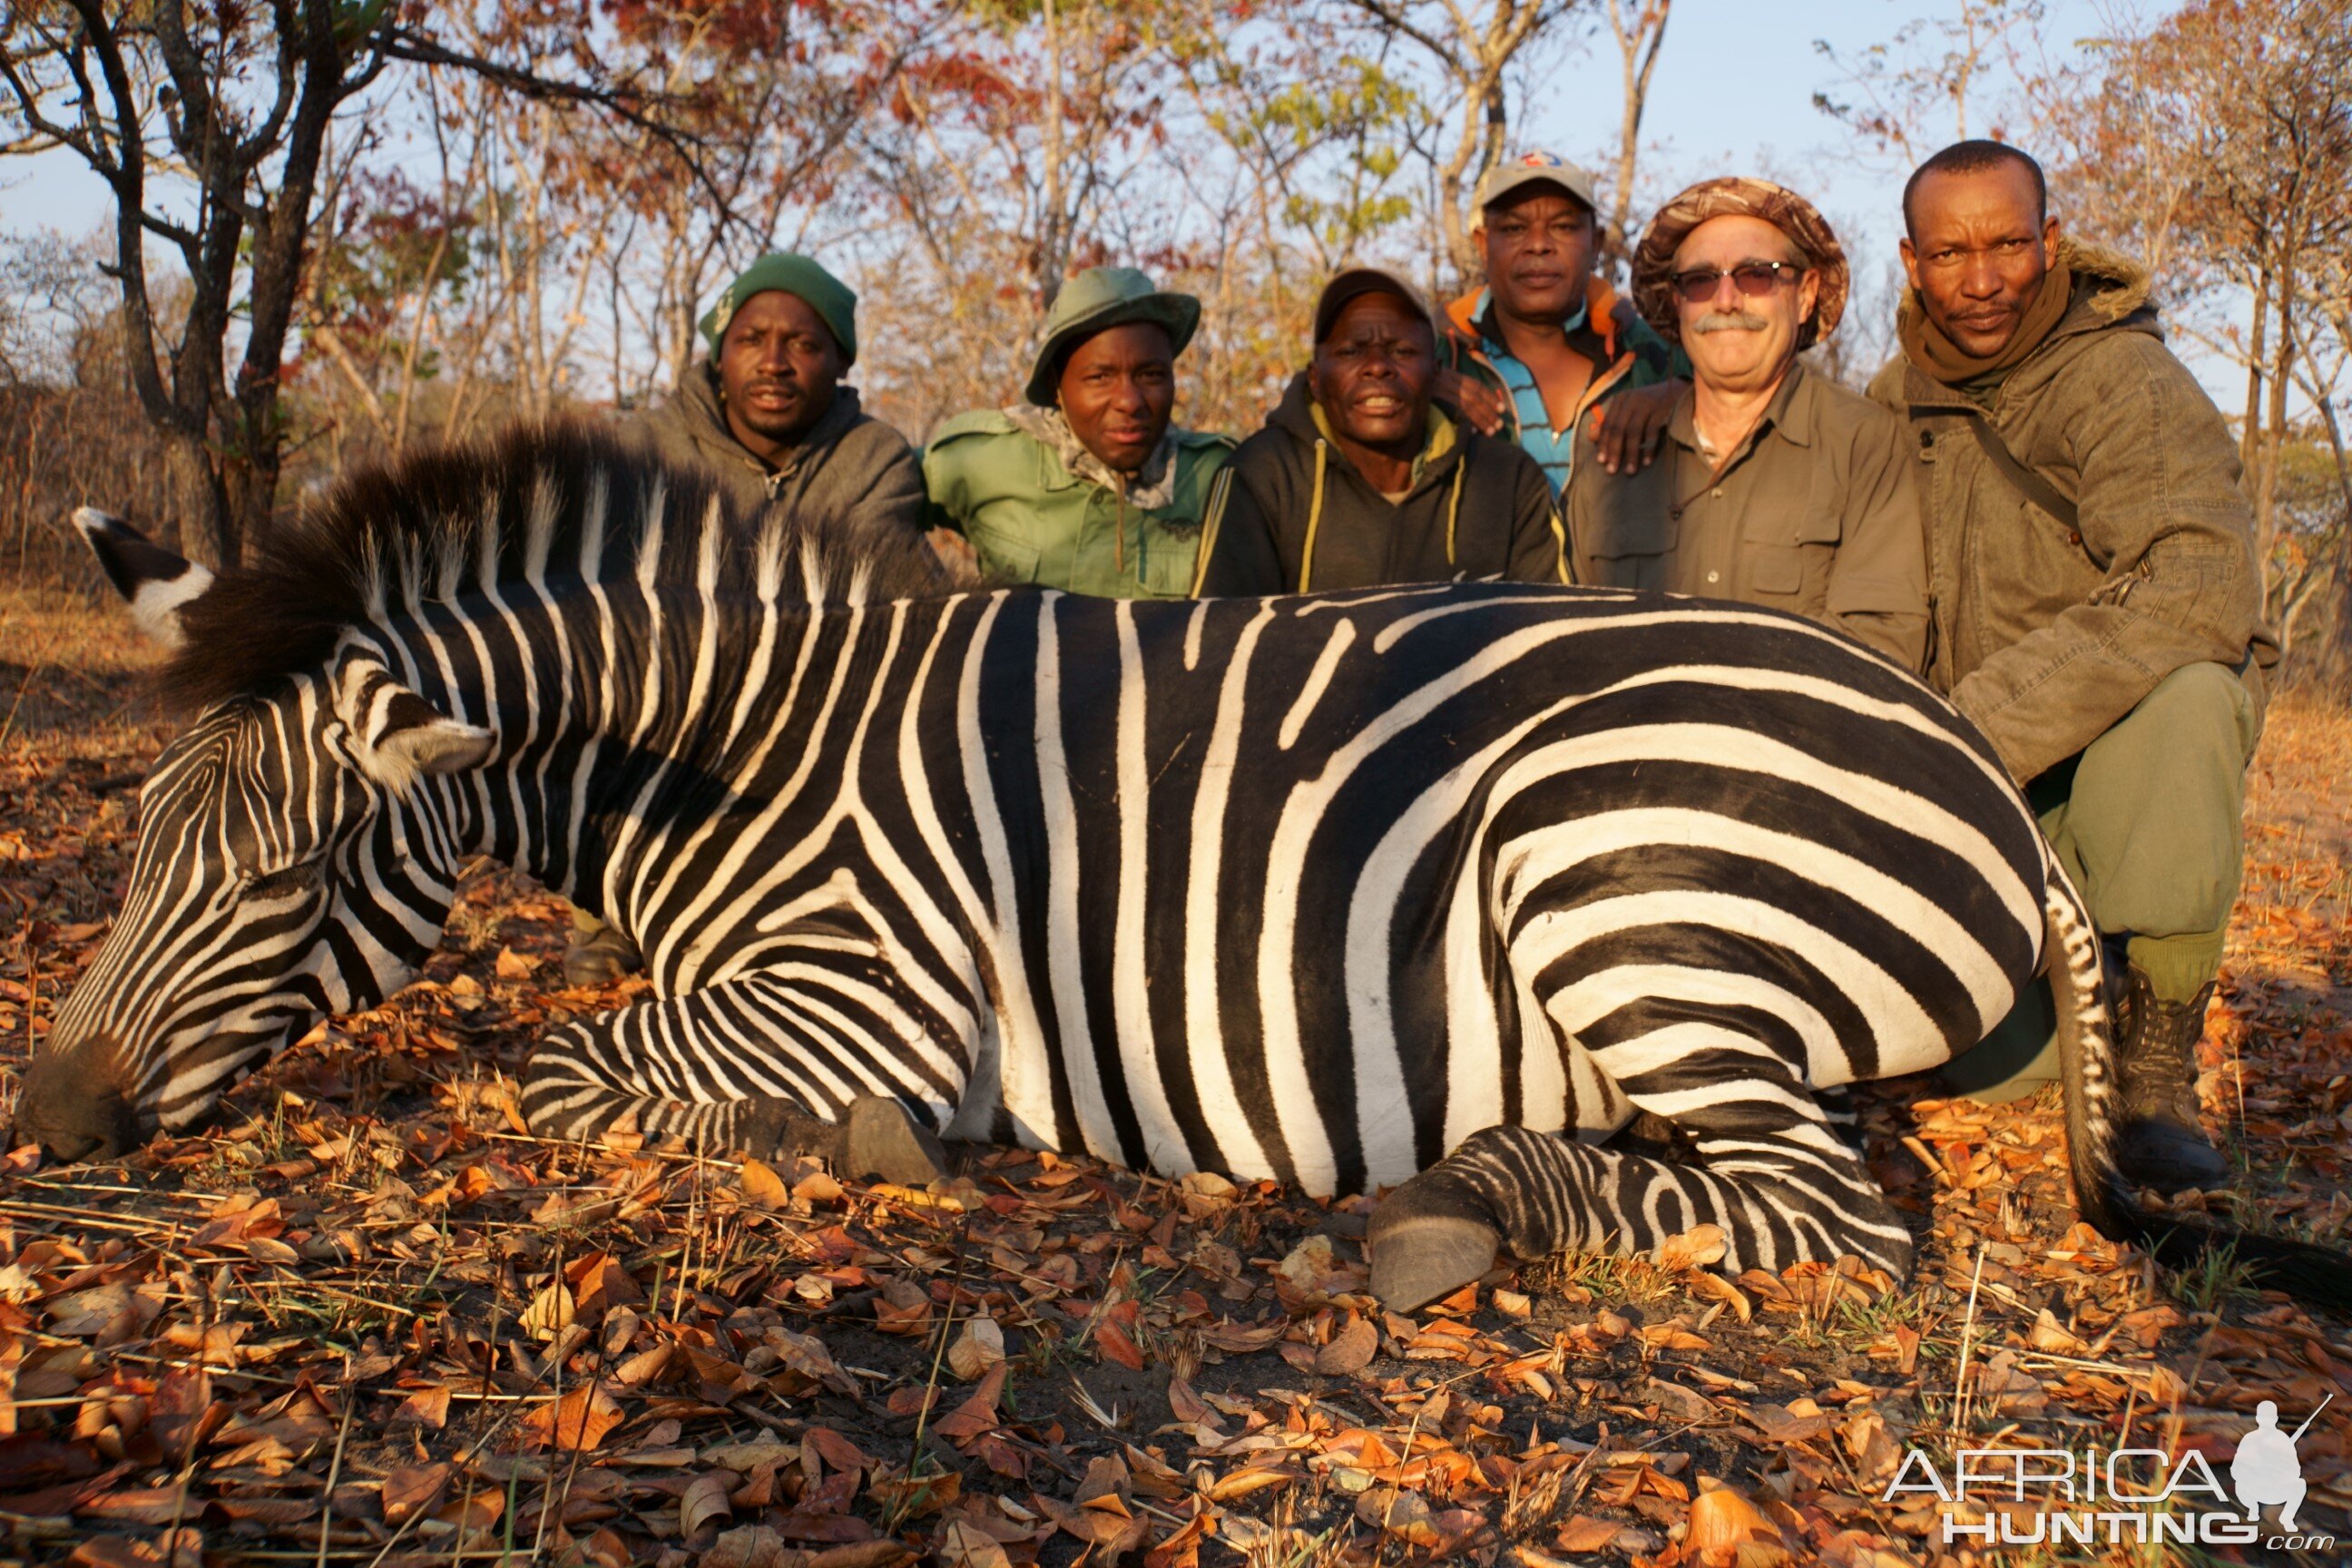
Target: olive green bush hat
[1100,298]
[806,280]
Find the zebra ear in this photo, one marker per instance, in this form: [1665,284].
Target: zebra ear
[155,581]
[399,736]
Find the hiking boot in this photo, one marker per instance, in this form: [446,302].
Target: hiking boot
[2160,1144]
[600,957]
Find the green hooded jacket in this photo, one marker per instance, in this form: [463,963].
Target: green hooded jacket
[1032,520]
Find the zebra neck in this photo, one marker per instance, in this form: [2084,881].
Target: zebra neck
[635,727]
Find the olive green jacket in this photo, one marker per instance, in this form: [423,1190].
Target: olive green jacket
[1031,519]
[2046,635]
[1815,513]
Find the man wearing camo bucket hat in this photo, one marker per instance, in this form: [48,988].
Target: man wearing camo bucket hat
[1088,485]
[1778,487]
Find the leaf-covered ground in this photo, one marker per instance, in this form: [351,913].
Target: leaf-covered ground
[369,1319]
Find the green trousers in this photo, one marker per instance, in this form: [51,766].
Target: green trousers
[2147,819]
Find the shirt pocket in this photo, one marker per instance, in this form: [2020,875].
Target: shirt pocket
[1170,551]
[1005,556]
[1789,557]
[1629,546]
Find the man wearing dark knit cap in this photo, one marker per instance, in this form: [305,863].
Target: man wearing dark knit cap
[2098,612]
[767,413]
[767,416]
[1778,487]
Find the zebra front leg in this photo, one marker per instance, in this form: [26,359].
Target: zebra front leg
[754,1064]
[1775,1176]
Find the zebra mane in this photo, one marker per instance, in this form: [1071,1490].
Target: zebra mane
[539,505]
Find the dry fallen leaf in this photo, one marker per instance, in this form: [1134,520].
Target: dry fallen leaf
[764,1188]
[705,1503]
[752,1546]
[1701,1247]
[979,1346]
[964,1545]
[550,1312]
[1118,1345]
[1350,1351]
[2050,1336]
[1714,1287]
[581,1419]
[1724,1526]
[413,1490]
[1585,1533]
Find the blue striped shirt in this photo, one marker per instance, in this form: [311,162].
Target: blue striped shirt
[1552,449]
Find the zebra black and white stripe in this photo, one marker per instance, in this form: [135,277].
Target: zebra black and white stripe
[1336,889]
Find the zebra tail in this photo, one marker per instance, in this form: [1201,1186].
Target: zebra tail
[2086,1046]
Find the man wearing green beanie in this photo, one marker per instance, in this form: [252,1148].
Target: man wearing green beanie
[766,410]
[766,413]
[1086,487]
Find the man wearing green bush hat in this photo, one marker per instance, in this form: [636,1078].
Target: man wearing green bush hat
[1088,487]
[767,413]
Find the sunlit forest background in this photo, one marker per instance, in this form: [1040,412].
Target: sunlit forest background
[336,230]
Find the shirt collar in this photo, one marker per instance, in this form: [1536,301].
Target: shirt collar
[1482,313]
[1789,414]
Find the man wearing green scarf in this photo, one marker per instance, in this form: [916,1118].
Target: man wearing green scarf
[2097,607]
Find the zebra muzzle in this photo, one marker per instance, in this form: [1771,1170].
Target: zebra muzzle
[72,1103]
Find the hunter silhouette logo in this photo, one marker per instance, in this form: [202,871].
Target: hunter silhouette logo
[2044,1496]
[2267,1471]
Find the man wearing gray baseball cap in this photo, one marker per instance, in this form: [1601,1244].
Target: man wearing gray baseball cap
[1546,348]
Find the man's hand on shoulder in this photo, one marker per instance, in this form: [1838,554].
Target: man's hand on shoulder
[1481,405]
[1629,429]
[956,557]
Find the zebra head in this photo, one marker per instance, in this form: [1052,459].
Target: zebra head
[295,859]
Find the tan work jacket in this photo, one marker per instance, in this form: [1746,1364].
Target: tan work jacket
[1816,513]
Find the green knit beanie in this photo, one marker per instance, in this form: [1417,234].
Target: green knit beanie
[832,300]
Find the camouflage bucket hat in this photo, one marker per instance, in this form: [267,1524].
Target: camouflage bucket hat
[1739,196]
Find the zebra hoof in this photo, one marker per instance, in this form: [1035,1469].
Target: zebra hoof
[1428,1242]
[1419,1260]
[881,1138]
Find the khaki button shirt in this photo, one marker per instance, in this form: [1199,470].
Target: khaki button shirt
[1816,513]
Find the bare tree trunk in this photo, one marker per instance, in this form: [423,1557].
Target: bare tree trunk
[2249,434]
[1640,33]
[1049,240]
[2282,374]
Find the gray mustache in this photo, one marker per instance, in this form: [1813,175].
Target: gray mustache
[1744,320]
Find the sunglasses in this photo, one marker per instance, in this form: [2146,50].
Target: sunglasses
[1754,279]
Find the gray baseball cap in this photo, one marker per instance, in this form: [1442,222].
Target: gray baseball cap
[1530,168]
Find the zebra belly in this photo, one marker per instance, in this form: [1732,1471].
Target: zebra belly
[1271,899]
